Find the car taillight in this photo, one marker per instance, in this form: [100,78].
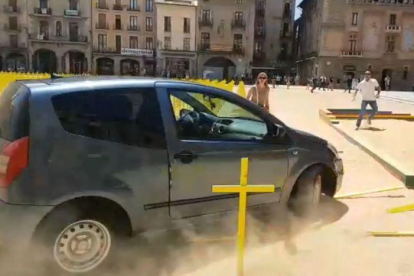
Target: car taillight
[14,159]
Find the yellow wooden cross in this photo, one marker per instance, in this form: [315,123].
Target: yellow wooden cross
[243,189]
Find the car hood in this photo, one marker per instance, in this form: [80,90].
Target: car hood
[310,137]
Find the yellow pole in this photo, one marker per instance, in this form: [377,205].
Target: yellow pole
[367,192]
[401,209]
[242,216]
[391,234]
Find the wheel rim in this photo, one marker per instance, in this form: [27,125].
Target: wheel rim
[317,188]
[82,246]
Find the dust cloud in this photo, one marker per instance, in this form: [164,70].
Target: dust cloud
[272,247]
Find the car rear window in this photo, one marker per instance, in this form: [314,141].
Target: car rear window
[14,112]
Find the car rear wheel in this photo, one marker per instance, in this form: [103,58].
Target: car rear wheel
[306,194]
[77,242]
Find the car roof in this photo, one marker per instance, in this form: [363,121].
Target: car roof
[70,84]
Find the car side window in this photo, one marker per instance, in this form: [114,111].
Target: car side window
[205,117]
[130,116]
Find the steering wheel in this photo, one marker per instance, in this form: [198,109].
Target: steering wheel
[190,122]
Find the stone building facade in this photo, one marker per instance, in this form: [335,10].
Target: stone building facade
[124,33]
[176,38]
[225,38]
[13,36]
[59,36]
[273,36]
[339,38]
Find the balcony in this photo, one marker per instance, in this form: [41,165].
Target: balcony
[102,5]
[42,11]
[205,22]
[118,27]
[393,29]
[348,53]
[106,50]
[134,8]
[260,33]
[70,13]
[133,28]
[260,12]
[46,38]
[101,26]
[238,24]
[220,49]
[118,7]
[12,28]
[11,9]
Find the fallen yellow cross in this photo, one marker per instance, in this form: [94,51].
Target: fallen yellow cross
[401,209]
[391,234]
[243,189]
[367,192]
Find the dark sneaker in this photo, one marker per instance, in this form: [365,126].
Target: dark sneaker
[369,121]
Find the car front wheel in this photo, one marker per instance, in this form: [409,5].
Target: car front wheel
[307,191]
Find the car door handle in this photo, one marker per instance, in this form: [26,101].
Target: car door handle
[185,156]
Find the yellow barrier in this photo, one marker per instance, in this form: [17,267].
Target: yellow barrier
[8,77]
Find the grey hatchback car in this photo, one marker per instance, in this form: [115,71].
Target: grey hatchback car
[86,161]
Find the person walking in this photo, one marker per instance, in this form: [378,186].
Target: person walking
[367,88]
[288,82]
[331,84]
[314,83]
[259,93]
[274,81]
[355,82]
[348,84]
[387,82]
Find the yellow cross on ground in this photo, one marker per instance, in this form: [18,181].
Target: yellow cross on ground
[243,189]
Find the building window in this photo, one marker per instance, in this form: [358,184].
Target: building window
[238,17]
[205,41]
[238,41]
[258,48]
[393,19]
[206,15]
[149,5]
[187,25]
[59,28]
[13,23]
[286,12]
[133,23]
[260,28]
[354,19]
[106,115]
[149,43]
[118,43]
[118,24]
[133,5]
[73,4]
[167,24]
[352,43]
[149,24]
[14,41]
[102,41]
[101,21]
[405,73]
[167,42]
[43,4]
[133,42]
[390,43]
[186,44]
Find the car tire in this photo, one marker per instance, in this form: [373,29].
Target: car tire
[307,192]
[77,242]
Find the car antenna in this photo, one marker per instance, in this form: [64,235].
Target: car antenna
[54,76]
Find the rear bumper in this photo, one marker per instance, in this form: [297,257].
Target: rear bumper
[18,224]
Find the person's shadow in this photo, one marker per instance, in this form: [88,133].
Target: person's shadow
[373,128]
